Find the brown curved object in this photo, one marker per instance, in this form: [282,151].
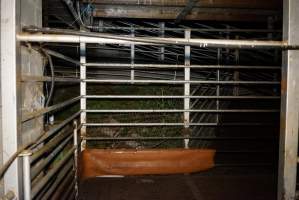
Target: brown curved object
[98,162]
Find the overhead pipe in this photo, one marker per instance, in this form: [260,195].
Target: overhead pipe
[70,36]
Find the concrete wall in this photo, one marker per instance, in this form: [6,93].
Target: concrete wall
[31,64]
[30,97]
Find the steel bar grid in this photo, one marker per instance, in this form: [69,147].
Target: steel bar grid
[191,109]
[177,97]
[169,66]
[118,81]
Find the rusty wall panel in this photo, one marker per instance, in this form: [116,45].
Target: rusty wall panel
[98,162]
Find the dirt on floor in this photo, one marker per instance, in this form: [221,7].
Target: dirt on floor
[205,186]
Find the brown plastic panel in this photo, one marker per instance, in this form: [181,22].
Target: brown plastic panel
[98,162]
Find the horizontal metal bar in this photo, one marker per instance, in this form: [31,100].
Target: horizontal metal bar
[70,36]
[226,30]
[187,110]
[182,82]
[63,185]
[174,124]
[28,116]
[56,128]
[40,79]
[65,172]
[36,169]
[120,65]
[49,146]
[175,97]
[177,138]
[61,56]
[70,191]
[28,78]
[37,187]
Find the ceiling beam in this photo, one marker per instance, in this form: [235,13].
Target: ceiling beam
[170,13]
[247,4]
[181,16]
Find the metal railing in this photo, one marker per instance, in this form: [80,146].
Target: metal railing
[44,172]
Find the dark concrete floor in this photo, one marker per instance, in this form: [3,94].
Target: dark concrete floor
[182,187]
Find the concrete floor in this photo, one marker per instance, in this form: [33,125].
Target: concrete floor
[182,187]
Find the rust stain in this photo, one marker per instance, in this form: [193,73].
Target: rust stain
[98,162]
[283,86]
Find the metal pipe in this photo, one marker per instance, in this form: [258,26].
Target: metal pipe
[111,65]
[42,111]
[26,174]
[71,8]
[176,97]
[83,90]
[187,110]
[182,82]
[52,79]
[109,39]
[63,35]
[75,137]
[187,78]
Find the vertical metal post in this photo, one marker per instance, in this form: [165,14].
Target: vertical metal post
[132,55]
[162,34]
[218,86]
[10,90]
[270,21]
[26,175]
[289,104]
[83,91]
[187,86]
[76,155]
[236,72]
[101,24]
